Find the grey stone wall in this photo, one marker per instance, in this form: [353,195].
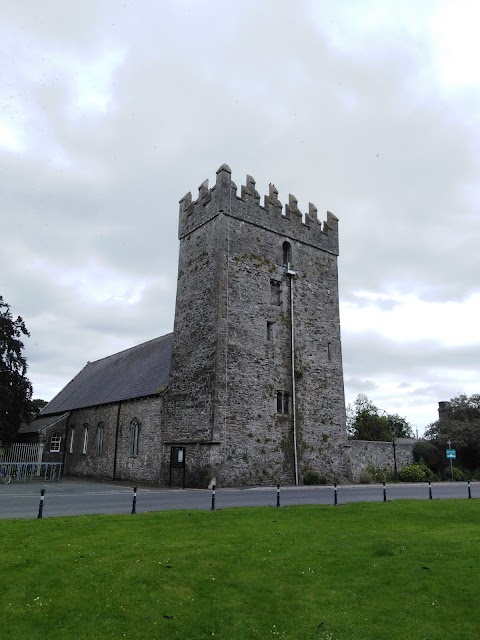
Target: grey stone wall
[227,368]
[363,453]
[45,439]
[115,461]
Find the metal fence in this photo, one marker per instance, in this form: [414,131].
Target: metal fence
[21,452]
[28,471]
[23,462]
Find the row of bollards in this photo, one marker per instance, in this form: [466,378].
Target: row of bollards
[335,497]
[335,494]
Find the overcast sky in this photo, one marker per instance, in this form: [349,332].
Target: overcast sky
[111,111]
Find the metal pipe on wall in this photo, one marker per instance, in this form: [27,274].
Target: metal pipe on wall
[291,273]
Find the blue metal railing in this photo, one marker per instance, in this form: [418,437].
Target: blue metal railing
[28,471]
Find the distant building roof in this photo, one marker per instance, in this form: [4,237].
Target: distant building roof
[43,423]
[134,373]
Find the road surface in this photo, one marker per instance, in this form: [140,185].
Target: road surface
[71,496]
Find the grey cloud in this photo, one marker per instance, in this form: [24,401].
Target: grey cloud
[365,135]
[375,354]
[359,385]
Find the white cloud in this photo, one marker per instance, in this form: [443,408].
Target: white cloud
[454,28]
[406,318]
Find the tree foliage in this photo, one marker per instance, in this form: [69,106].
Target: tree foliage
[365,421]
[461,425]
[37,405]
[427,453]
[15,388]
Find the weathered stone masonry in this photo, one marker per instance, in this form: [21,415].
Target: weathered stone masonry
[232,352]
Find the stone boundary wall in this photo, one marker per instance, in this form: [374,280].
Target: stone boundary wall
[364,453]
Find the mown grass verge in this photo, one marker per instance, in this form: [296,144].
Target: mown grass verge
[379,571]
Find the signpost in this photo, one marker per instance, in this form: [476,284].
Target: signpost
[451,455]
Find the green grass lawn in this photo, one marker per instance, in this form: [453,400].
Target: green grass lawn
[400,570]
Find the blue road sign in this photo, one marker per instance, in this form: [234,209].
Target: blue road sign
[451,453]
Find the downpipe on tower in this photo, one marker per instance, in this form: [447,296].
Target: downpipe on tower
[291,274]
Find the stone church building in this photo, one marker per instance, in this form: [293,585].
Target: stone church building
[248,389]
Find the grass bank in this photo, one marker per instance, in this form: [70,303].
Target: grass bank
[398,570]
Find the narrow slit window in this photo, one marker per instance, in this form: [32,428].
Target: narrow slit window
[85,439]
[275,293]
[287,253]
[134,437]
[72,440]
[270,331]
[100,438]
[283,403]
[329,351]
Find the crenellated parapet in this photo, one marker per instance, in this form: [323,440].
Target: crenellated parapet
[287,221]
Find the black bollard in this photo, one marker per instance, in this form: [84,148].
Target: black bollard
[40,506]
[134,503]
[430,490]
[278,495]
[335,501]
[469,490]
[384,493]
[213,498]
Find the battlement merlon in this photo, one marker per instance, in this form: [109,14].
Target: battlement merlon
[287,221]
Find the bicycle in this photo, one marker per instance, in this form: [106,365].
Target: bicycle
[5,476]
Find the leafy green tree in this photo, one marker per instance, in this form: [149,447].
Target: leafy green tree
[399,426]
[429,454]
[15,388]
[460,425]
[366,422]
[37,406]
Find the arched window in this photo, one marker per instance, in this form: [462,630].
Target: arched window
[100,438]
[85,438]
[134,437]
[287,253]
[72,439]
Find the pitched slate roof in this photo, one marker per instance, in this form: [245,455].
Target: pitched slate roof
[134,373]
[43,423]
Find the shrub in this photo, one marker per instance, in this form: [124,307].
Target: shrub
[312,477]
[458,474]
[379,474]
[365,477]
[429,475]
[412,473]
[476,474]
[467,474]
[427,453]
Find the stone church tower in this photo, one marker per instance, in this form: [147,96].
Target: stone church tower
[256,384]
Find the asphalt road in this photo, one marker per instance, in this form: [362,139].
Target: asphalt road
[71,497]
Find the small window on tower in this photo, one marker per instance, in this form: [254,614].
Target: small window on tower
[283,403]
[270,331]
[287,253]
[275,293]
[329,351]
